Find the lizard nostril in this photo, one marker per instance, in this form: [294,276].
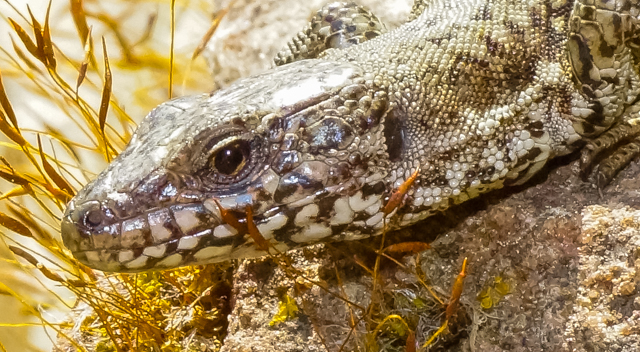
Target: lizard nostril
[93,217]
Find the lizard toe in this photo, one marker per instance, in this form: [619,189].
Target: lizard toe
[618,160]
[611,152]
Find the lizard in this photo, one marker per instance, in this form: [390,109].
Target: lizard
[468,96]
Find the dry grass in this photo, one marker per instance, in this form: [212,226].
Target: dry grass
[48,154]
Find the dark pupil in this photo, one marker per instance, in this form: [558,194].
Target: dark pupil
[93,217]
[229,159]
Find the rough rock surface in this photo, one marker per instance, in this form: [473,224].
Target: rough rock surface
[607,307]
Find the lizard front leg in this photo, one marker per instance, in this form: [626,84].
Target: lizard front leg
[604,58]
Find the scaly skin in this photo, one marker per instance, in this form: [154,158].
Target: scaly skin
[478,94]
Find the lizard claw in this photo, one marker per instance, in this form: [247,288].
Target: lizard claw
[587,156]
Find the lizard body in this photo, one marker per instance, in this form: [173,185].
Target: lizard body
[477,94]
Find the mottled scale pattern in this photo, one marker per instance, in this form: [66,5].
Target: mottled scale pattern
[475,94]
[337,25]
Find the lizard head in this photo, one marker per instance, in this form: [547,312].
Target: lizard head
[301,145]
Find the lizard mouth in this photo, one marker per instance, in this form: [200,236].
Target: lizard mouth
[114,237]
[156,239]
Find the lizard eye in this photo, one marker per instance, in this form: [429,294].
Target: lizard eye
[231,158]
[93,218]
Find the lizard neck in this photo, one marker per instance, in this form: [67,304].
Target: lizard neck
[466,98]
